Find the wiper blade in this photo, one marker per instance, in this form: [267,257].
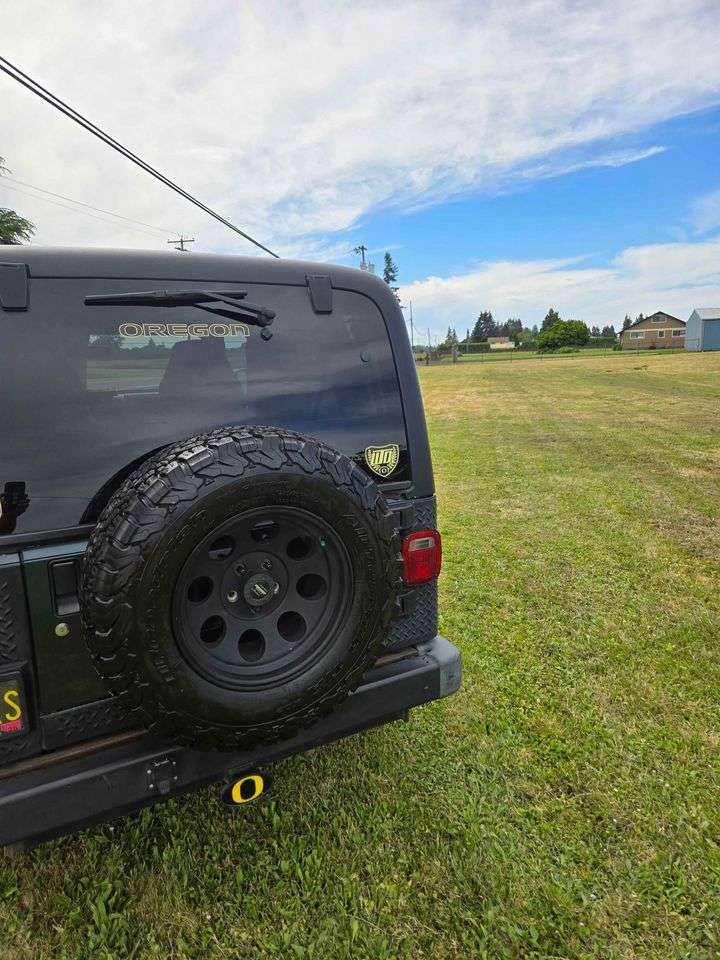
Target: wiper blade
[250,312]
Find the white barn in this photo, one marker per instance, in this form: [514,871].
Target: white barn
[702,331]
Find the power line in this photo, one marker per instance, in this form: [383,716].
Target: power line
[12,71]
[80,203]
[65,206]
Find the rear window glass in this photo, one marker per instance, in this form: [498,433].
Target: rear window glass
[87,390]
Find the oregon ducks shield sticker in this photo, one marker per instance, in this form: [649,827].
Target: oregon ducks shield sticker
[382,460]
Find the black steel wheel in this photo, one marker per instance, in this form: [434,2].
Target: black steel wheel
[260,596]
[238,586]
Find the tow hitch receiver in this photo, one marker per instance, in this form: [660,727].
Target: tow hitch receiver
[162,775]
[245,788]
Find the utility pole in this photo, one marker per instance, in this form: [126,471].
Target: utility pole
[361,251]
[364,264]
[412,325]
[182,241]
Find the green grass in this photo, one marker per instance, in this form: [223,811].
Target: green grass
[490,356]
[563,805]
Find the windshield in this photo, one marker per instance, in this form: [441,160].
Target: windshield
[87,390]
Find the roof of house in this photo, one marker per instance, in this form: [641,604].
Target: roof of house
[650,316]
[708,313]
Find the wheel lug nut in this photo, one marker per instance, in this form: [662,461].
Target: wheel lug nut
[232,596]
[240,569]
[267,564]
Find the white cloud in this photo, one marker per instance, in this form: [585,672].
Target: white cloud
[705,212]
[675,277]
[619,158]
[297,119]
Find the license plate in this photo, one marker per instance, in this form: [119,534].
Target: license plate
[13,718]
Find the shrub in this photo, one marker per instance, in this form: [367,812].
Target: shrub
[564,333]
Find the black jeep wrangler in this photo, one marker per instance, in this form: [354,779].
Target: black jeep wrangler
[217,526]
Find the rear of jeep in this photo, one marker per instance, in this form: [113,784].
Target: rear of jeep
[218,539]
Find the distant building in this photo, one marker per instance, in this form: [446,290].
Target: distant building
[501,343]
[703,329]
[656,332]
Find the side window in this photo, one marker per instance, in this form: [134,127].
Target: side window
[143,359]
[70,354]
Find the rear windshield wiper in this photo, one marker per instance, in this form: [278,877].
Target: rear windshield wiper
[251,313]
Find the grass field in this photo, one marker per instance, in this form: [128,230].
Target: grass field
[564,805]
[491,356]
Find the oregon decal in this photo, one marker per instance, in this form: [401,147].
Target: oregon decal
[382,460]
[184,330]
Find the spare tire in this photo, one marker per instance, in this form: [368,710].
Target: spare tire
[238,585]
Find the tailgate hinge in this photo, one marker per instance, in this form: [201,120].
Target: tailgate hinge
[14,286]
[320,288]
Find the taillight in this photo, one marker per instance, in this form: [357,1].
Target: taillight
[422,556]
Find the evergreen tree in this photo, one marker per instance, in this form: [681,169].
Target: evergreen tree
[535,330]
[551,318]
[607,331]
[390,271]
[513,326]
[484,327]
[639,317]
[627,322]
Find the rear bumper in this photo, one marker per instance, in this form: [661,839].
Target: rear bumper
[68,790]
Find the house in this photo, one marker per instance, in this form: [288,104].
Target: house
[703,329]
[501,343]
[658,331]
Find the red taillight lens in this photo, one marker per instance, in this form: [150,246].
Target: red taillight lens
[422,556]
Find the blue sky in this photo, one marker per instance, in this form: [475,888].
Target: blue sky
[560,153]
[590,213]
[586,216]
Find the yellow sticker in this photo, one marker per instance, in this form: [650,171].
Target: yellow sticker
[247,788]
[10,699]
[382,460]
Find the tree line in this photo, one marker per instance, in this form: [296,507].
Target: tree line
[554,333]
